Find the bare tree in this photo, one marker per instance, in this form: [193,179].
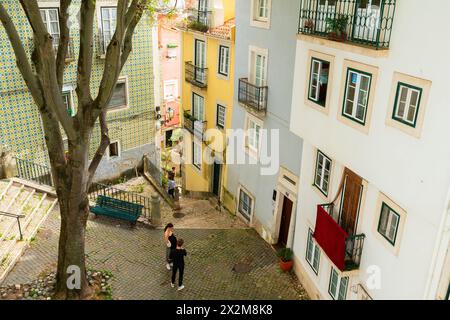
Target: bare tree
[73,174]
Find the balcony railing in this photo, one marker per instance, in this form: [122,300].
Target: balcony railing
[194,126]
[199,20]
[343,249]
[252,96]
[103,40]
[366,22]
[55,44]
[198,76]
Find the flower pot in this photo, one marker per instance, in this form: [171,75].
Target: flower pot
[340,37]
[286,265]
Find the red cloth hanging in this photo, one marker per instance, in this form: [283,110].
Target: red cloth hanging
[330,237]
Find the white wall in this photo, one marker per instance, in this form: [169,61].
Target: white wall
[415,173]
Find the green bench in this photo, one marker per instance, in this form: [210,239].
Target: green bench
[118,209]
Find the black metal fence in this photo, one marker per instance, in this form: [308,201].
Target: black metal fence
[367,22]
[200,20]
[196,75]
[31,171]
[252,95]
[194,126]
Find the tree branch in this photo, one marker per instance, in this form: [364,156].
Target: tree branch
[21,57]
[83,90]
[104,143]
[63,41]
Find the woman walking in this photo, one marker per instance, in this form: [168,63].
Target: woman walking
[170,240]
[178,264]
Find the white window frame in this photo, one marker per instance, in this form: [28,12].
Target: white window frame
[256,20]
[224,64]
[46,10]
[390,224]
[248,218]
[119,150]
[310,85]
[312,252]
[353,116]
[127,94]
[338,294]
[321,173]
[253,135]
[253,53]
[410,89]
[218,106]
[196,156]
[196,105]
[173,83]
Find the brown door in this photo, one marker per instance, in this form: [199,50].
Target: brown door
[351,194]
[285,222]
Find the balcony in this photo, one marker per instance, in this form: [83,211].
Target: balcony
[363,22]
[199,19]
[55,44]
[343,249]
[197,76]
[252,96]
[194,126]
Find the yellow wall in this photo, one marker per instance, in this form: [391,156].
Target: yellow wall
[219,90]
[228,6]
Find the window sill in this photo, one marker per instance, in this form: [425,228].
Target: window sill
[345,46]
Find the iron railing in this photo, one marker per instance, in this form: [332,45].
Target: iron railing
[70,56]
[367,22]
[199,19]
[252,96]
[353,244]
[14,216]
[31,171]
[98,189]
[194,126]
[195,75]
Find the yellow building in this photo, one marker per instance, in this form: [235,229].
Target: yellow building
[207,94]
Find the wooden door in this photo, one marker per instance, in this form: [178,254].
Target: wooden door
[351,196]
[285,222]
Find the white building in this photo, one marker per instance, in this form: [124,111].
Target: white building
[374,115]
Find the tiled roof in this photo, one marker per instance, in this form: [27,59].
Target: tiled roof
[223,31]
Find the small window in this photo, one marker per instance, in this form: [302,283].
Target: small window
[109,18]
[198,106]
[318,83]
[50,17]
[67,99]
[245,204]
[407,102]
[357,92]
[114,149]
[322,175]
[224,60]
[312,253]
[262,10]
[220,121]
[170,90]
[338,286]
[254,134]
[389,223]
[197,155]
[119,97]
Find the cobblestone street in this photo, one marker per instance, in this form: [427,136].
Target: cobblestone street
[136,258]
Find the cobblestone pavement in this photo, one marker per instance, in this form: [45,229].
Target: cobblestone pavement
[136,258]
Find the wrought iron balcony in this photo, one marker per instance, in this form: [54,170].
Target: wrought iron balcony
[343,249]
[365,22]
[194,126]
[55,44]
[199,19]
[252,96]
[198,76]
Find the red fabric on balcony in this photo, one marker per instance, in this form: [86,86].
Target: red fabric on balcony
[330,237]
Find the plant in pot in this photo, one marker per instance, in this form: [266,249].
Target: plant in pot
[337,28]
[285,255]
[309,24]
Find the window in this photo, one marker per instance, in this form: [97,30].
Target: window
[322,175]
[262,10]
[67,99]
[245,204]
[51,21]
[108,18]
[198,106]
[312,253]
[197,155]
[114,149]
[318,83]
[407,102]
[389,223]
[170,90]
[338,286]
[220,119]
[224,60]
[254,134]
[119,97]
[357,90]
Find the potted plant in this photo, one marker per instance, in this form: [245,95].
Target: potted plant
[285,255]
[309,24]
[337,28]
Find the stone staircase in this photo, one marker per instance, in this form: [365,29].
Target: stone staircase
[27,202]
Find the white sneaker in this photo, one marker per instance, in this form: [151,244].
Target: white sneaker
[168,266]
[180,288]
[172,285]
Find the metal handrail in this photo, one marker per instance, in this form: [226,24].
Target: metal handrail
[16,216]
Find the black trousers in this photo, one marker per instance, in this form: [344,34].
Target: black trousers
[180,276]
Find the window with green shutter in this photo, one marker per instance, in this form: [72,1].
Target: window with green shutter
[388,224]
[338,286]
[312,253]
[356,98]
[407,103]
